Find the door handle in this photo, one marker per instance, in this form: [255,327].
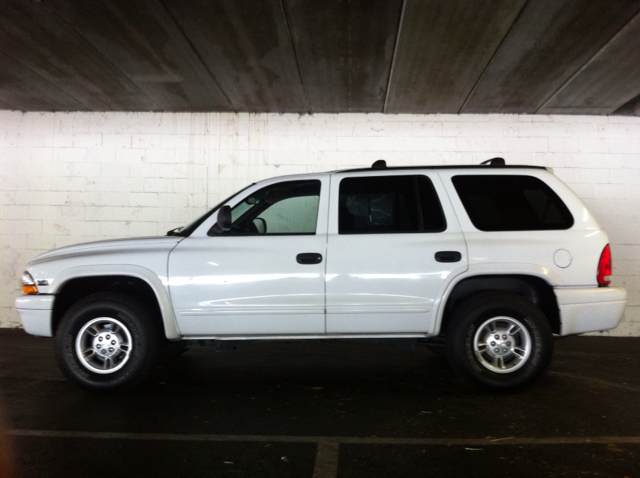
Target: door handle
[309,258]
[448,256]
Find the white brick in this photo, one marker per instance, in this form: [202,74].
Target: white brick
[143,199]
[625,176]
[626,145]
[610,191]
[69,154]
[112,140]
[147,141]
[293,143]
[594,145]
[87,140]
[594,175]
[85,169]
[160,156]
[130,156]
[477,144]
[564,145]
[114,170]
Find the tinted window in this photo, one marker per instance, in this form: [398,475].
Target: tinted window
[389,204]
[511,203]
[289,207]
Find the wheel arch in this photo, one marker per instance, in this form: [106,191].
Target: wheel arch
[533,288]
[78,282]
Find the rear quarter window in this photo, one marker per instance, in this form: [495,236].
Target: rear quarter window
[511,203]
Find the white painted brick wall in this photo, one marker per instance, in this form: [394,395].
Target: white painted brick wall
[74,177]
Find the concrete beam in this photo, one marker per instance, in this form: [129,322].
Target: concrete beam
[443,48]
[34,36]
[548,43]
[608,81]
[246,47]
[344,50]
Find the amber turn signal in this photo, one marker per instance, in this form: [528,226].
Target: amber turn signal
[30,289]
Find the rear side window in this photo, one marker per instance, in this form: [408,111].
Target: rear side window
[511,203]
[389,204]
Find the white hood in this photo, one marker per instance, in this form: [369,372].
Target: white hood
[114,246]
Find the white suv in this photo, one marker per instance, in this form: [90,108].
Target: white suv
[493,260]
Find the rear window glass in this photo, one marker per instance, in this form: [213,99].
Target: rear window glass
[511,203]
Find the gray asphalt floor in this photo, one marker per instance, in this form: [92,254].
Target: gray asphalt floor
[322,410]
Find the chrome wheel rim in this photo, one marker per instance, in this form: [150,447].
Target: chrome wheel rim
[502,344]
[103,345]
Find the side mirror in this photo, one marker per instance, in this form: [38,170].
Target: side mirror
[224,219]
[175,232]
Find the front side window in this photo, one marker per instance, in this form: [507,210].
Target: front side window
[511,203]
[289,207]
[389,204]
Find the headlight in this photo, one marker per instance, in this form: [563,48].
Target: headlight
[28,284]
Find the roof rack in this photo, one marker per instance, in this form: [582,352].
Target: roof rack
[381,164]
[494,162]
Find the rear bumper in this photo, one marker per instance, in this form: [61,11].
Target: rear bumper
[35,314]
[590,309]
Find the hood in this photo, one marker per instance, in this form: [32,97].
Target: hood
[138,244]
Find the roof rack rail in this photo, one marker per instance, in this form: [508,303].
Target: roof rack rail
[379,164]
[494,162]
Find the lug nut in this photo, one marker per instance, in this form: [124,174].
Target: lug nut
[504,337]
[113,342]
[497,351]
[497,337]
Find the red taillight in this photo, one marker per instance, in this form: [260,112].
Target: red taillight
[604,267]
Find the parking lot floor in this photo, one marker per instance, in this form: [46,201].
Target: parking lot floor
[324,409]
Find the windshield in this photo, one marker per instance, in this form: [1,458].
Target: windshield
[189,228]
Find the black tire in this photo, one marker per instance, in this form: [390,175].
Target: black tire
[499,341]
[121,341]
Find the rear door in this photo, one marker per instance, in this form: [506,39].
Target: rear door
[394,244]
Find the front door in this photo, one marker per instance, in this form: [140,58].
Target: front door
[266,275]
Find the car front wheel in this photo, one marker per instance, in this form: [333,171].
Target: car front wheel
[499,341]
[107,341]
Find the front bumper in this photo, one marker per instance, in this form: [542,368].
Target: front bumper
[590,309]
[35,313]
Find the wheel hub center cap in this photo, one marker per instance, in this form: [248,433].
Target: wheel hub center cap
[106,344]
[499,343]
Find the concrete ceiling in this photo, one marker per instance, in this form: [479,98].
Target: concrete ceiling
[309,56]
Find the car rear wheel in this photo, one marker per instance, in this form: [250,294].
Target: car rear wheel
[107,341]
[499,341]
